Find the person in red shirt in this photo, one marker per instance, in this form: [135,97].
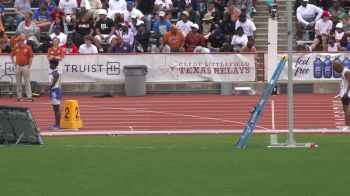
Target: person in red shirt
[194,39]
[70,47]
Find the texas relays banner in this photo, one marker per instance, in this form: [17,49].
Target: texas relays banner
[161,67]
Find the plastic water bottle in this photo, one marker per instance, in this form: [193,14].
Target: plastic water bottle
[336,74]
[327,67]
[318,67]
[346,61]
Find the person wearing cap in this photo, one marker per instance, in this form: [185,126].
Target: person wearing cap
[29,29]
[21,7]
[22,57]
[194,39]
[42,18]
[120,46]
[175,39]
[323,29]
[70,9]
[184,25]
[207,26]
[131,10]
[57,33]
[247,25]
[211,10]
[104,29]
[84,26]
[115,6]
[90,5]
[162,25]
[307,16]
[338,33]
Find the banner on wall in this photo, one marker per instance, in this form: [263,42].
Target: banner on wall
[161,67]
[311,66]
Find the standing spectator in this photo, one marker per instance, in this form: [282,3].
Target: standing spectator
[247,25]
[60,22]
[239,40]
[160,46]
[323,29]
[104,29]
[184,25]
[194,39]
[249,8]
[142,39]
[175,39]
[21,8]
[211,11]
[307,16]
[70,47]
[116,6]
[88,47]
[90,5]
[56,52]
[22,58]
[84,26]
[42,18]
[215,41]
[146,8]
[120,46]
[28,28]
[208,26]
[162,25]
[227,27]
[70,9]
[62,38]
[50,4]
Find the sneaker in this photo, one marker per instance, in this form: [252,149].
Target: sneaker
[20,99]
[308,48]
[54,127]
[30,100]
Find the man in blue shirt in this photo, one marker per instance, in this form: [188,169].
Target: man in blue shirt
[162,25]
[41,17]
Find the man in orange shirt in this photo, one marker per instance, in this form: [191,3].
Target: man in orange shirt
[22,57]
[175,39]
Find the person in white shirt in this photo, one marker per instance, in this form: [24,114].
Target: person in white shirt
[307,16]
[184,25]
[88,47]
[90,5]
[70,9]
[58,34]
[163,5]
[116,6]
[239,40]
[131,10]
[247,25]
[338,33]
[323,29]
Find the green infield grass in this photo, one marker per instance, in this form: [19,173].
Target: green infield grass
[175,166]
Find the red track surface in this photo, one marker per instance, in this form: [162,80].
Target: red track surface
[190,112]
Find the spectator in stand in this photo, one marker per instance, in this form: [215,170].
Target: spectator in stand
[134,23]
[338,33]
[323,29]
[146,8]
[28,28]
[162,25]
[57,33]
[194,39]
[160,46]
[234,11]
[131,10]
[142,39]
[90,5]
[307,16]
[3,36]
[105,30]
[4,47]
[249,48]
[184,25]
[70,9]
[60,22]
[175,39]
[192,15]
[239,40]
[227,27]
[120,46]
[247,25]
[70,47]
[56,52]
[21,8]
[42,18]
[227,47]
[126,34]
[57,12]
[249,7]
[215,41]
[335,11]
[84,26]
[50,4]
[317,3]
[163,5]
[194,4]
[211,10]
[46,44]
[116,6]
[200,49]
[332,46]
[88,47]
[2,13]
[344,20]
[207,26]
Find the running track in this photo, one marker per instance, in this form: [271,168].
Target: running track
[189,114]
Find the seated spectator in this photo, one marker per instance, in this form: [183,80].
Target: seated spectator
[105,29]
[207,26]
[131,10]
[116,6]
[60,22]
[146,7]
[335,11]
[194,4]
[142,39]
[88,47]
[175,39]
[126,34]
[4,47]
[227,27]
[215,41]
[249,7]
[28,28]
[323,29]
[70,10]
[58,12]
[160,46]
[332,46]
[163,5]
[247,25]
[216,14]
[162,25]
[120,46]
[55,52]
[194,39]
[192,14]
[70,47]
[57,33]
[50,4]
[3,36]
[184,25]
[21,8]
[233,11]
[307,16]
[249,48]
[338,32]
[42,18]
[84,26]
[239,40]
[90,5]
[46,44]
[134,23]
[317,3]
[227,47]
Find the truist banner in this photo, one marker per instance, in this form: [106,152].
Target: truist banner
[161,67]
